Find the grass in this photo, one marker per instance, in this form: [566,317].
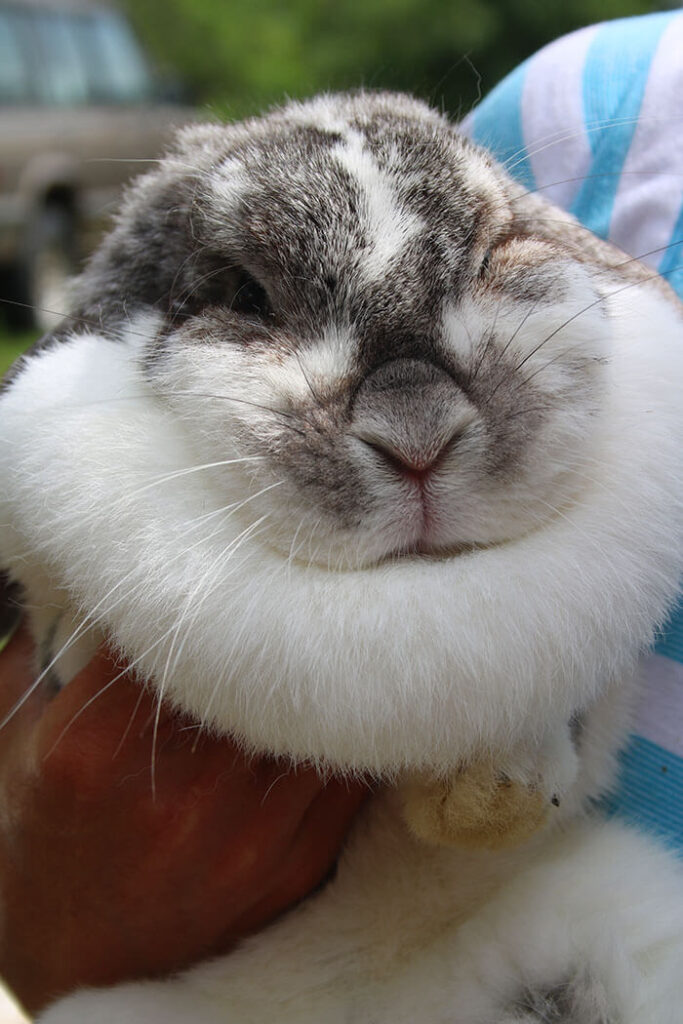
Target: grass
[12,345]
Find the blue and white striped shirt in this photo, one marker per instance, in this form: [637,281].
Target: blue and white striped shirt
[595,122]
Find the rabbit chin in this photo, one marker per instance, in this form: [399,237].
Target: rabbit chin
[413,663]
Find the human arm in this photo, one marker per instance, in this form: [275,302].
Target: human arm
[107,876]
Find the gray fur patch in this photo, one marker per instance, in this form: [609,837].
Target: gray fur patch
[577,725]
[580,1001]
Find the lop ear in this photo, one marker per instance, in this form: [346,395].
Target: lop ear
[157,229]
[146,259]
[538,218]
[138,262]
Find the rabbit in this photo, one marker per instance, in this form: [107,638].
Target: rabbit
[364,455]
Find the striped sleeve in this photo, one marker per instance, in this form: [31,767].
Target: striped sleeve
[595,122]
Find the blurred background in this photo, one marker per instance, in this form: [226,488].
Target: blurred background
[89,90]
[239,58]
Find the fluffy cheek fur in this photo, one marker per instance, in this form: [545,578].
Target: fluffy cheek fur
[278,418]
[108,495]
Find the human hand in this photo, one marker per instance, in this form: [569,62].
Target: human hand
[105,879]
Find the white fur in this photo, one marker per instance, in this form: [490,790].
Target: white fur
[274,384]
[405,935]
[325,364]
[389,226]
[406,672]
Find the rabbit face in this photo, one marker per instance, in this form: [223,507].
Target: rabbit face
[361,320]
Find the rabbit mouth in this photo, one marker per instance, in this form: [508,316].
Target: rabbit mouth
[423,550]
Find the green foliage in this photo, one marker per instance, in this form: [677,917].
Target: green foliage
[241,57]
[11,347]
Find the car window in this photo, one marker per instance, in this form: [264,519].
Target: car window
[14,75]
[64,58]
[62,78]
[117,70]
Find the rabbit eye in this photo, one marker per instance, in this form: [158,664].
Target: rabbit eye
[250,298]
[226,286]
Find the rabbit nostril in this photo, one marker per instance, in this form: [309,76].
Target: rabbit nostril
[413,464]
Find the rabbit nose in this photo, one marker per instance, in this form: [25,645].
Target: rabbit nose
[414,464]
[410,412]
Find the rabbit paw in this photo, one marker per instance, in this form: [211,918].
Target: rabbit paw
[491,803]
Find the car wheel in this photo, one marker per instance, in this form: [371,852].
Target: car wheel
[49,261]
